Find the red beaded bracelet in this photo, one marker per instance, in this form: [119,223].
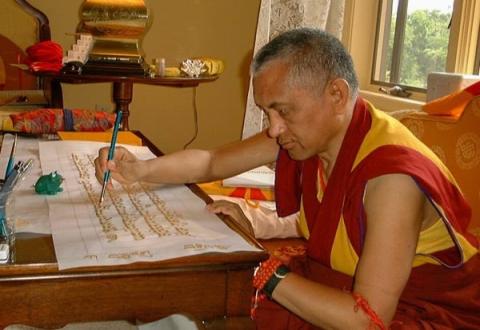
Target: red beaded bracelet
[269,274]
[265,271]
[263,275]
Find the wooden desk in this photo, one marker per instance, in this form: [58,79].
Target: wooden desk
[210,287]
[122,87]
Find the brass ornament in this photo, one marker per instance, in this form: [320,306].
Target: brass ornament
[118,28]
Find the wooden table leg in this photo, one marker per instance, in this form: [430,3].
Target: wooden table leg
[55,94]
[122,96]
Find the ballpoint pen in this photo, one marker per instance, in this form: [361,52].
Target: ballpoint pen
[106,175]
[17,174]
[11,158]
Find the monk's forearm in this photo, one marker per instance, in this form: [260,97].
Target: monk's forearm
[193,166]
[186,166]
[323,306]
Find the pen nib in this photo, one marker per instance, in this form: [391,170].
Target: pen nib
[102,194]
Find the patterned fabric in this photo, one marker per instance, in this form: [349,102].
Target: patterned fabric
[53,120]
[456,141]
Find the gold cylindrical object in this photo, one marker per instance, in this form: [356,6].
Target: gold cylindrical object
[117,27]
[114,18]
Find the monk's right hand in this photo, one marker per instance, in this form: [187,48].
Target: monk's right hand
[124,168]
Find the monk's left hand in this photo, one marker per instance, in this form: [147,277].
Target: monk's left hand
[234,211]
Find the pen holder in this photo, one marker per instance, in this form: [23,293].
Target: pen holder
[7,228]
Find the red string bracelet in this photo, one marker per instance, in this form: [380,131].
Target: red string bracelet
[289,252]
[362,303]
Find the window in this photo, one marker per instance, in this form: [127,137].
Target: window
[411,41]
[476,69]
[450,50]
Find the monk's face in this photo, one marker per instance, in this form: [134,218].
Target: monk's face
[300,119]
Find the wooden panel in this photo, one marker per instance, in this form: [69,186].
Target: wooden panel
[11,77]
[239,293]
[56,302]
[209,286]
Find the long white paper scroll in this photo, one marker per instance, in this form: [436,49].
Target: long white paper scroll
[141,222]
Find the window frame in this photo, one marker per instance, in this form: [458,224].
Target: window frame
[476,67]
[359,36]
[382,31]
[464,35]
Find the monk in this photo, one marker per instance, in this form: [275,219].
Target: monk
[385,222]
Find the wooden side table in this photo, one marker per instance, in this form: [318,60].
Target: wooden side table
[122,87]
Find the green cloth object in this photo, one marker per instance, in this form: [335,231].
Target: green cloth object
[49,184]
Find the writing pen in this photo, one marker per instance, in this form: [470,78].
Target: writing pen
[111,151]
[11,159]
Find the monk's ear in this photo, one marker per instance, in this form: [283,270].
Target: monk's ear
[339,93]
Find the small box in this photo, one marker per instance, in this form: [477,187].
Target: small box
[440,84]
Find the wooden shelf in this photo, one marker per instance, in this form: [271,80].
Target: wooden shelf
[122,86]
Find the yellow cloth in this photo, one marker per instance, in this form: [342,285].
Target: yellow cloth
[216,188]
[7,124]
[123,137]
